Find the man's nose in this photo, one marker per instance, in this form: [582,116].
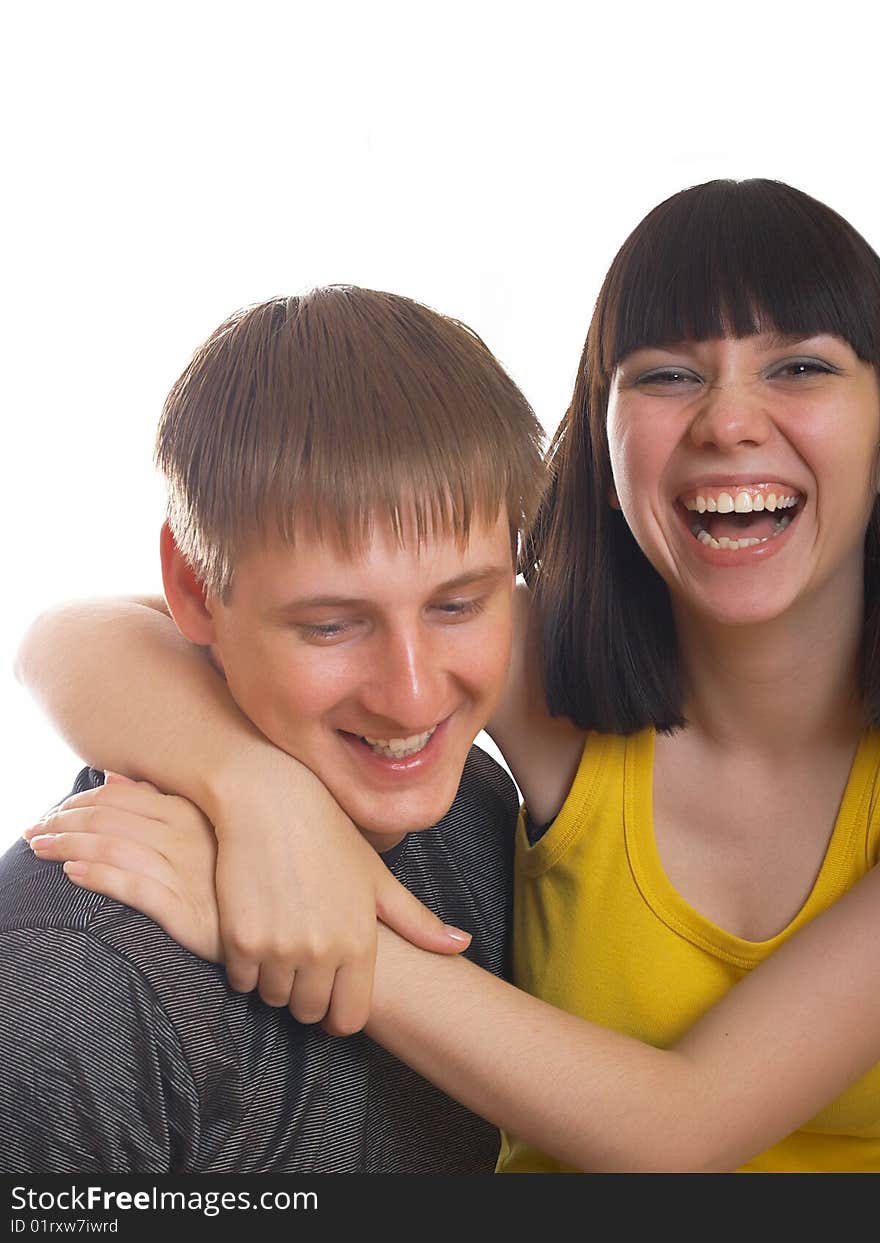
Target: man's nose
[405,688]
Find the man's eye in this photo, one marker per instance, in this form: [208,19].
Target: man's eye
[459,608]
[323,630]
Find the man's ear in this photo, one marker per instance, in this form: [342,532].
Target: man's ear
[186,596]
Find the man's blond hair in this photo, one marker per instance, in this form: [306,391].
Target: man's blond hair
[329,410]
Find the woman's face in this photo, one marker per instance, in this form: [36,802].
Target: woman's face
[747,469]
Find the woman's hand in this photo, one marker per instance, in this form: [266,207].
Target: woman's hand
[311,948]
[300,890]
[297,889]
[155,852]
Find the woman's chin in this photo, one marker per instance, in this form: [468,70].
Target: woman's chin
[737,610]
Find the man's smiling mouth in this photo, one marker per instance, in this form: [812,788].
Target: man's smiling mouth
[399,748]
[738,516]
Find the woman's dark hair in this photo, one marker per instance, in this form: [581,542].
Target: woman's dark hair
[722,258]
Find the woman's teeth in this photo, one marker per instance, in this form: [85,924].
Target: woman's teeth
[741,503]
[746,507]
[733,544]
[398,748]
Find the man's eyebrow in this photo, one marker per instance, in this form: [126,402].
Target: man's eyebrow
[316,602]
[488,574]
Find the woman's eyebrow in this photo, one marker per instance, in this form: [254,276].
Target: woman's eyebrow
[771,340]
[781,340]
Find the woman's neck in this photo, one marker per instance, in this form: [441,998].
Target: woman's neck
[776,687]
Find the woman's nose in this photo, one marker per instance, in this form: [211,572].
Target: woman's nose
[730,415]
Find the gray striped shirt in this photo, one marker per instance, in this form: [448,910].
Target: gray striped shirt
[121,1052]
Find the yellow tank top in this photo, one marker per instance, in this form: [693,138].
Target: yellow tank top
[600,932]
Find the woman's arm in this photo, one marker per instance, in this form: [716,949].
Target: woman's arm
[780,1046]
[124,688]
[298,887]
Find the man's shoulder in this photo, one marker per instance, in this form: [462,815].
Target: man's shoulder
[96,1068]
[60,939]
[40,906]
[122,1051]
[36,893]
[486,791]
[479,827]
[87,938]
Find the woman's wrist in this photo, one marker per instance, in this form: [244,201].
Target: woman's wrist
[256,770]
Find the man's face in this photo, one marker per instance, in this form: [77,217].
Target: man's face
[376,670]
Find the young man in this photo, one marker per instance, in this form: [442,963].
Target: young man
[347,473]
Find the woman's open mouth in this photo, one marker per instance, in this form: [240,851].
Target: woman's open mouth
[736,517]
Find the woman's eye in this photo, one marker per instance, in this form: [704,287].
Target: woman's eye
[667,377]
[797,368]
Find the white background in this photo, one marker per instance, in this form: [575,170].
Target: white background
[164,164]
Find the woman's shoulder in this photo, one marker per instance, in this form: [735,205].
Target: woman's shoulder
[542,751]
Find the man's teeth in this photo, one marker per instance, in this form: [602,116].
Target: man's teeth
[399,748]
[733,544]
[741,502]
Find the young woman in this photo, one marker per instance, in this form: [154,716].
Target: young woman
[696,881]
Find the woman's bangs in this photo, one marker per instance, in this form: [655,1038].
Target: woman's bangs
[737,259]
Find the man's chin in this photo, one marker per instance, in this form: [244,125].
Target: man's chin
[394,799]
[393,816]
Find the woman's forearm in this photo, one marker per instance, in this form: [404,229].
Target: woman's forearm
[494,1048]
[129,693]
[779,1047]
[536,1072]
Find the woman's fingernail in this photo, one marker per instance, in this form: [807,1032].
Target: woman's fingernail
[117,777]
[456,934]
[75,868]
[43,843]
